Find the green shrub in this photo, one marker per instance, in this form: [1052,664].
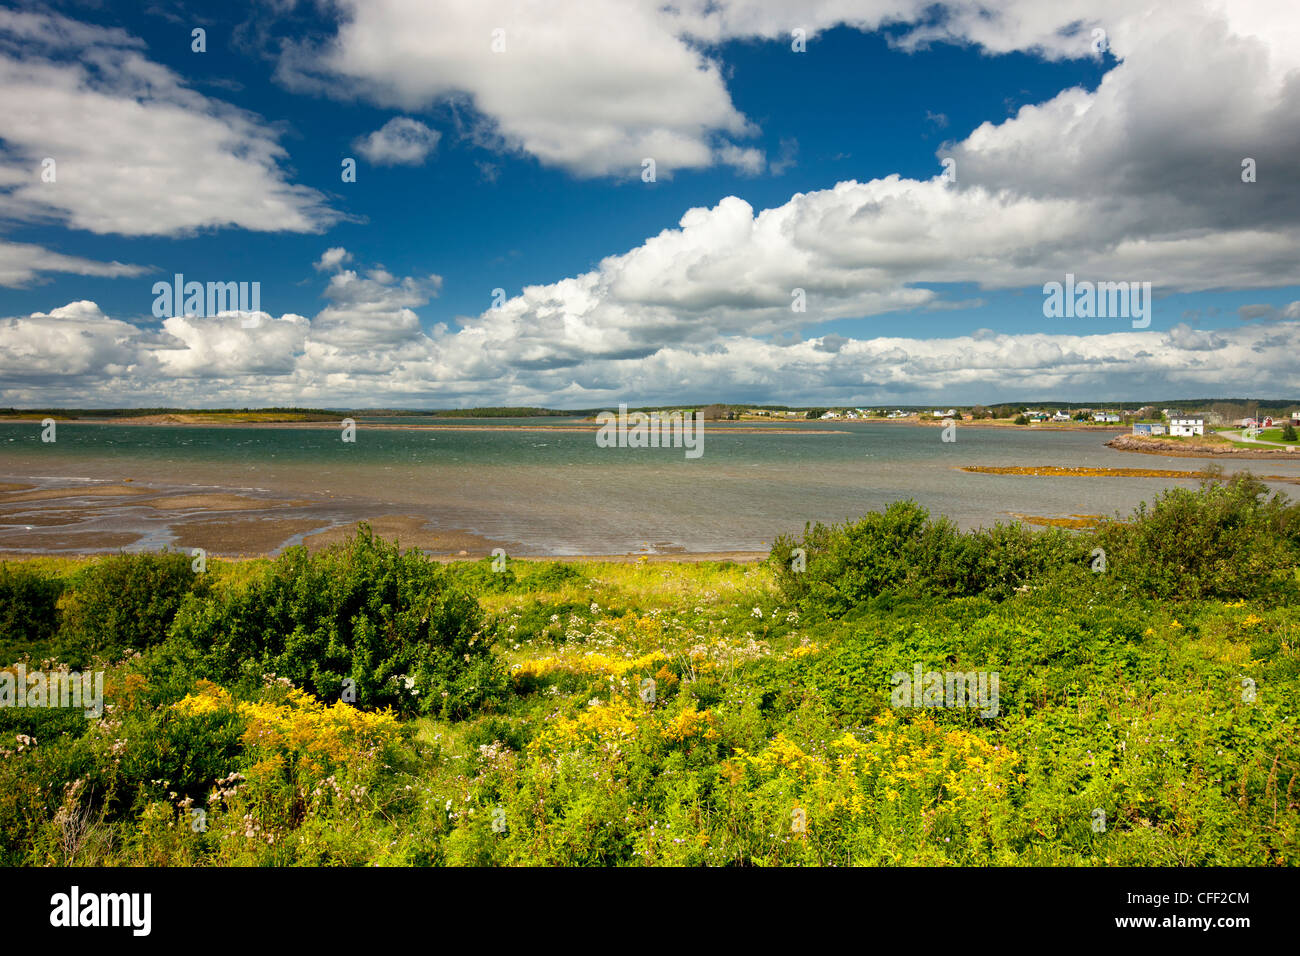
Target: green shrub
[1227,539]
[170,755]
[902,551]
[28,609]
[1007,558]
[123,603]
[848,564]
[394,624]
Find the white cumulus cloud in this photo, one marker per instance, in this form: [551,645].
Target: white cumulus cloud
[401,141]
[136,152]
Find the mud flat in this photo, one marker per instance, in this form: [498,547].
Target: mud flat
[70,542]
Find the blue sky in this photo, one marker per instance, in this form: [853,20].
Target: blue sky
[225,166]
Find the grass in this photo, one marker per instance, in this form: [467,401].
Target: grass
[1266,434]
[1108,701]
[1209,439]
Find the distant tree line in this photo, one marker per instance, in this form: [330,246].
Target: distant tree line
[505,412]
[142,412]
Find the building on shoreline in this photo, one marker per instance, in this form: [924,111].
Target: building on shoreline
[1186,427]
[1149,428]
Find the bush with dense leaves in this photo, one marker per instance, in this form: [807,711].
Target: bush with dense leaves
[1228,539]
[394,624]
[123,603]
[28,609]
[901,551]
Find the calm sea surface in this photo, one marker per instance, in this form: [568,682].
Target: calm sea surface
[558,493]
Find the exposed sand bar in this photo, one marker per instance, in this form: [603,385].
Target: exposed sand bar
[78,491]
[220,502]
[1057,471]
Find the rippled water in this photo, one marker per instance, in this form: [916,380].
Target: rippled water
[558,493]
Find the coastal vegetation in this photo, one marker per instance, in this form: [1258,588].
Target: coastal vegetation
[366,705]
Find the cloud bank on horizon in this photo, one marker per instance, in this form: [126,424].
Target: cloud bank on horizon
[1140,179]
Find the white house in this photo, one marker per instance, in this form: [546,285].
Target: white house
[1105,417]
[1187,426]
[1061,417]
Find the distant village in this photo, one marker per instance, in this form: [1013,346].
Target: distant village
[1147,420]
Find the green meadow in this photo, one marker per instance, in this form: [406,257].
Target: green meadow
[368,706]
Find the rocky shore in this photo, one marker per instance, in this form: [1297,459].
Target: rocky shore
[1160,446]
